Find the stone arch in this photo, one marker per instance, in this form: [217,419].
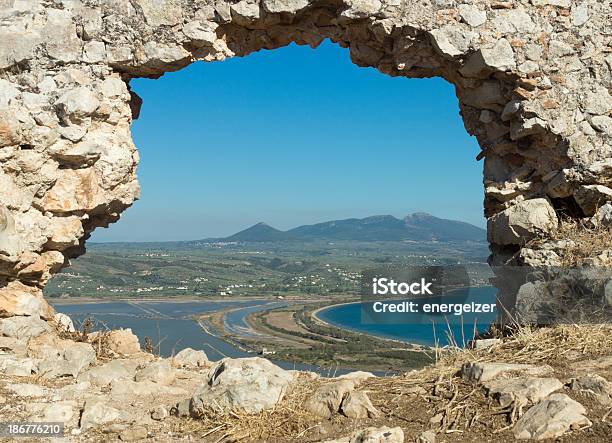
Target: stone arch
[532,81]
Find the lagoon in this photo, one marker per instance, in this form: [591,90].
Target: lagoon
[171,325]
[420,327]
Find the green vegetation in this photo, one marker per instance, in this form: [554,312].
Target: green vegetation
[334,347]
[243,268]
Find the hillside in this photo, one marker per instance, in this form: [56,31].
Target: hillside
[415,227]
[261,232]
[550,383]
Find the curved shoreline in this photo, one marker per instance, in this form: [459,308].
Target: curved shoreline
[315,314]
[315,317]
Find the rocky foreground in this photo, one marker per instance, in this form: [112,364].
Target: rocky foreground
[549,383]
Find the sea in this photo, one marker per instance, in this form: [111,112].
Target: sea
[423,329]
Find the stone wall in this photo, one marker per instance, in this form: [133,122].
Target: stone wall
[533,79]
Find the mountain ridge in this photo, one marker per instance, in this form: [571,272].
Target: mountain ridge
[419,226]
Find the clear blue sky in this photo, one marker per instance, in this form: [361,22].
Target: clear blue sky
[290,137]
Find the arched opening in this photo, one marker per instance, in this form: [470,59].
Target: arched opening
[300,139]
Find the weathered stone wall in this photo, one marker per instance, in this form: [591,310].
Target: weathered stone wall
[533,79]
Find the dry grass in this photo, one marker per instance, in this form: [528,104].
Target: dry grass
[533,345]
[435,397]
[461,409]
[585,241]
[284,422]
[459,405]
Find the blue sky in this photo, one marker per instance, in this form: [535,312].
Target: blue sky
[294,136]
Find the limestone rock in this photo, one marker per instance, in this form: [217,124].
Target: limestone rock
[182,408]
[598,101]
[127,388]
[77,104]
[550,418]
[75,358]
[76,391]
[160,372]
[27,390]
[190,358]
[522,390]
[602,123]
[62,41]
[595,385]
[94,52]
[522,222]
[161,12]
[451,41]
[472,15]
[356,404]
[326,400]
[284,6]
[580,14]
[249,384]
[19,367]
[591,197]
[123,342]
[486,371]
[361,8]
[14,346]
[18,46]
[603,216]
[97,412]
[10,242]
[513,20]
[499,57]
[59,411]
[245,12]
[19,299]
[23,327]
[64,322]
[104,374]
[158,57]
[74,190]
[60,358]
[540,258]
[200,33]
[560,185]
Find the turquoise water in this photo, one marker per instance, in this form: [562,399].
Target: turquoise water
[418,328]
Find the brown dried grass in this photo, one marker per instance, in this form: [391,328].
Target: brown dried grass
[461,405]
[412,399]
[285,421]
[544,345]
[585,242]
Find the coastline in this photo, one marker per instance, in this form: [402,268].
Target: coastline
[228,335]
[161,299]
[313,314]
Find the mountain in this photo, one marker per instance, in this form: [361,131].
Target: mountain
[261,232]
[416,227]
